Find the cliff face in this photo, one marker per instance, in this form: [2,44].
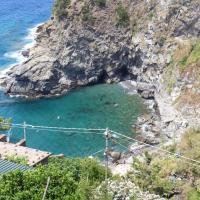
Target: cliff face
[91,43]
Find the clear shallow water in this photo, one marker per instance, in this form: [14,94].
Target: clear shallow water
[92,107]
[98,106]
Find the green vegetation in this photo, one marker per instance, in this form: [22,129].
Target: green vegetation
[151,15]
[5,123]
[188,55]
[70,179]
[162,40]
[86,14]
[60,8]
[166,175]
[16,159]
[170,85]
[100,3]
[195,54]
[122,16]
[185,67]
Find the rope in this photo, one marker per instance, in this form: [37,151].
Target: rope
[67,131]
[160,149]
[97,152]
[50,127]
[91,130]
[172,156]
[120,144]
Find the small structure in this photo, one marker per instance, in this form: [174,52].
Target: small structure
[33,156]
[7,166]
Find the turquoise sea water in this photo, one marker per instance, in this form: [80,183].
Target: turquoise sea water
[98,106]
[91,107]
[16,18]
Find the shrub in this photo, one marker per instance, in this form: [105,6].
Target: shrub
[16,159]
[60,8]
[6,123]
[86,14]
[152,178]
[162,41]
[100,3]
[70,179]
[166,175]
[122,16]
[151,15]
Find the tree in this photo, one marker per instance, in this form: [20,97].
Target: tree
[5,123]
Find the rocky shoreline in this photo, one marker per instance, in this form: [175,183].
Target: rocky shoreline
[162,127]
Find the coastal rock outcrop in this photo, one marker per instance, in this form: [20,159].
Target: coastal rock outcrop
[88,45]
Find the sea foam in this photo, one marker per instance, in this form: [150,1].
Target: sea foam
[29,41]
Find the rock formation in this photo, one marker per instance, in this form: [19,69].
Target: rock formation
[88,46]
[150,42]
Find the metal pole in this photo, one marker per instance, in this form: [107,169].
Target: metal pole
[106,159]
[45,191]
[8,136]
[25,131]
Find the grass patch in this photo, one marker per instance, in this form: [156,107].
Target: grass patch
[151,15]
[170,85]
[86,14]
[122,16]
[187,54]
[166,175]
[194,56]
[100,3]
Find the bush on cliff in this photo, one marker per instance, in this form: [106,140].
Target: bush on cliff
[100,3]
[87,14]
[60,8]
[122,16]
[5,123]
[168,176]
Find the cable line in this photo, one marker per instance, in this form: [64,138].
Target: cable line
[163,150]
[50,127]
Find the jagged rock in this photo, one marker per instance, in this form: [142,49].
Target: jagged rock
[70,53]
[25,53]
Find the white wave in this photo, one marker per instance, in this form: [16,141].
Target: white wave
[32,33]
[29,43]
[17,55]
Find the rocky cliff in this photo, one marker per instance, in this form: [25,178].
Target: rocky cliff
[88,45]
[100,41]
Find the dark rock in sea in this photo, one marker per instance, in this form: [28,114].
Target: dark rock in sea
[25,53]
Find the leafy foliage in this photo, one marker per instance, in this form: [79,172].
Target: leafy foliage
[100,3]
[122,16]
[5,123]
[166,175]
[60,8]
[86,14]
[17,159]
[70,179]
